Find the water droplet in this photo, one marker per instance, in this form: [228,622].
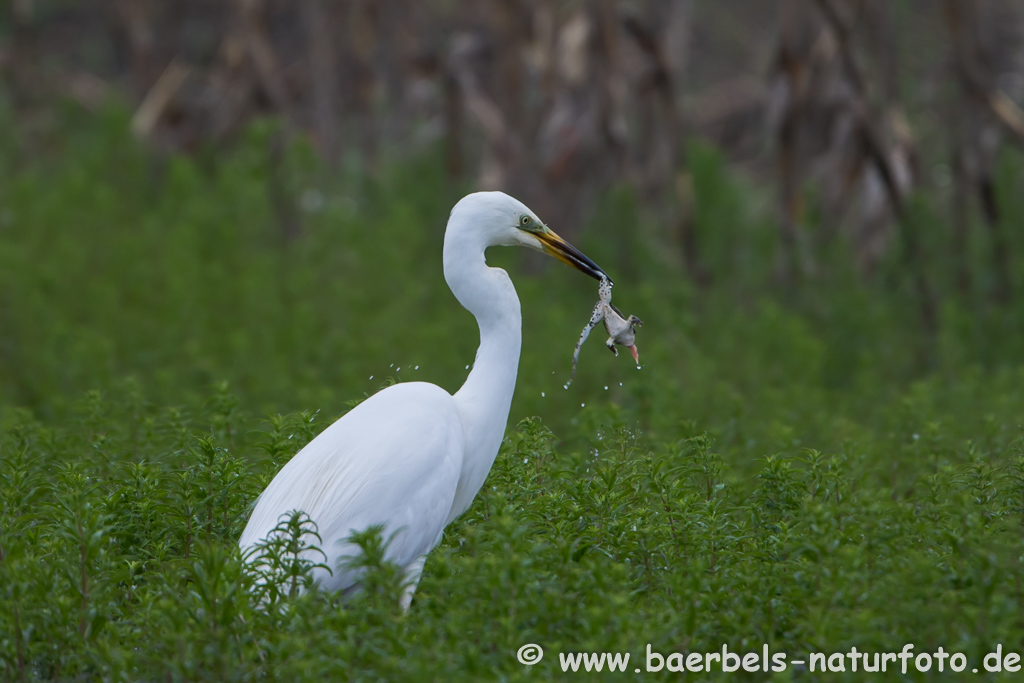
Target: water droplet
[400,369]
[526,460]
[583,405]
[606,387]
[565,386]
[392,365]
[637,366]
[467,367]
[620,384]
[542,394]
[371,376]
[416,368]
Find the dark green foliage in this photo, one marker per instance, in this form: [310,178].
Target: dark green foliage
[128,569]
[780,472]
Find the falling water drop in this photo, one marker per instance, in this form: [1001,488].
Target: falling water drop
[637,366]
[392,365]
[606,387]
[565,386]
[467,367]
[583,405]
[416,368]
[620,384]
[400,369]
[371,376]
[542,394]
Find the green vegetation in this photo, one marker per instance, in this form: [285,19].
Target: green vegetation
[783,470]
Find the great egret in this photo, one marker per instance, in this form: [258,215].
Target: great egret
[412,456]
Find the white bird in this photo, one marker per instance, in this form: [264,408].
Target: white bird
[412,456]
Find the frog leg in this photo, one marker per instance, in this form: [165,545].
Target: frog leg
[595,319]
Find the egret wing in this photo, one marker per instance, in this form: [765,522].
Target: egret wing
[393,460]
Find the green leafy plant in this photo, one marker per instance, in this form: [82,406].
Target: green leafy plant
[780,472]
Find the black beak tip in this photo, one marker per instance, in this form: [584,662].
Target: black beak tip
[595,271]
[598,274]
[582,262]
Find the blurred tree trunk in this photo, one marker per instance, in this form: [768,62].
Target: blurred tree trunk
[961,182]
[251,18]
[320,27]
[453,126]
[137,20]
[987,41]
[880,155]
[362,41]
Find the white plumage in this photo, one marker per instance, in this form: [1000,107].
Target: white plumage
[412,457]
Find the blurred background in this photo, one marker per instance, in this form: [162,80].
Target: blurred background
[221,227]
[811,202]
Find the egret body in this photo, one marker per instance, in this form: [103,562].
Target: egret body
[412,456]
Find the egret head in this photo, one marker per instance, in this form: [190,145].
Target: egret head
[506,221]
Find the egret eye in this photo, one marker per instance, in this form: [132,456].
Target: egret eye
[524,220]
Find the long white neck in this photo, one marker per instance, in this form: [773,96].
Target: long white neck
[484,400]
